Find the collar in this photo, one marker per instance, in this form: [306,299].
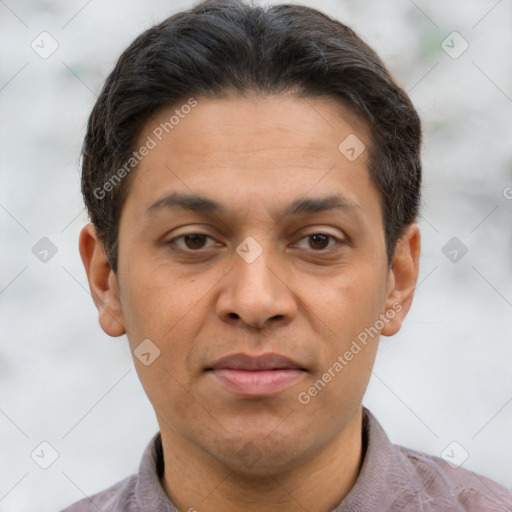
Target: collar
[379,485]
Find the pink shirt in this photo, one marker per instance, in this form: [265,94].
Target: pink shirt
[392,478]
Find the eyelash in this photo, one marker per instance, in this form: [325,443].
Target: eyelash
[337,240]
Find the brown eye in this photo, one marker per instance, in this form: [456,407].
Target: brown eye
[192,242]
[195,241]
[319,241]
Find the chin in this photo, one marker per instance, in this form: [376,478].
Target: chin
[258,455]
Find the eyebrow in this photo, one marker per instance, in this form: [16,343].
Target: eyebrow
[202,204]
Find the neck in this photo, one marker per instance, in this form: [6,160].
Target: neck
[195,480]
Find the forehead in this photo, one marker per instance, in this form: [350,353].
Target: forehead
[237,149]
[259,122]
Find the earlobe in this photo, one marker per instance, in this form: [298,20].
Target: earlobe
[403,276]
[102,282]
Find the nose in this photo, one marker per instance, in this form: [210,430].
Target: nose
[256,293]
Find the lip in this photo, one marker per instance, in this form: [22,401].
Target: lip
[262,375]
[269,361]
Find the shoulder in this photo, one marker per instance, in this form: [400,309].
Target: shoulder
[470,491]
[116,498]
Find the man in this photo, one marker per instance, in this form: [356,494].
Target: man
[253,179]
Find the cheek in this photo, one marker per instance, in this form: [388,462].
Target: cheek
[349,302]
[169,310]
[347,353]
[169,317]
[157,301]
[348,306]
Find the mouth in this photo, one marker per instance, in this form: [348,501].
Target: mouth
[263,375]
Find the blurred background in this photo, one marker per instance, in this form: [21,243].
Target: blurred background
[442,385]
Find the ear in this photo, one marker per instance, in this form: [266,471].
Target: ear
[102,282]
[402,279]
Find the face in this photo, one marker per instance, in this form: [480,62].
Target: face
[247,232]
